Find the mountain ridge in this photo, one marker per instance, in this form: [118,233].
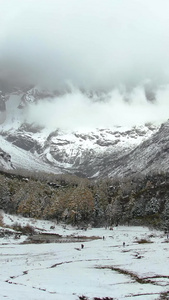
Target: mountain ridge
[92,153]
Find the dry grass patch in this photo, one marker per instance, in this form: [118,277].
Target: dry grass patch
[133,276]
[95,298]
[164,296]
[144,241]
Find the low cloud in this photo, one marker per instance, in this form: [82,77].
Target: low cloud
[77,111]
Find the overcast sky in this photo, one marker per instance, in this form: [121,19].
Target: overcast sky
[90,44]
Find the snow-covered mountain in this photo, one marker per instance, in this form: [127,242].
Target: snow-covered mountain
[92,153]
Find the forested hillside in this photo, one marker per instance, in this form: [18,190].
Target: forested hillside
[140,200]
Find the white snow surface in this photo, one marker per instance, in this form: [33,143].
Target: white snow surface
[64,271]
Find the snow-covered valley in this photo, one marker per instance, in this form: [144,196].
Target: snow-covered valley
[123,263]
[84,150]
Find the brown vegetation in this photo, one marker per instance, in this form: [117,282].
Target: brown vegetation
[1,220]
[140,200]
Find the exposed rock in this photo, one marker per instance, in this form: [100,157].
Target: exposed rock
[5,160]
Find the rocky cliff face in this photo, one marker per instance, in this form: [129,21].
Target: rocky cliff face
[5,160]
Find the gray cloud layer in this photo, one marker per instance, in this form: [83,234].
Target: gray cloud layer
[93,44]
[119,46]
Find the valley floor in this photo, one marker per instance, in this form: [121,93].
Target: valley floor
[123,263]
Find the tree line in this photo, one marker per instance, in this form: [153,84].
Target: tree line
[137,200]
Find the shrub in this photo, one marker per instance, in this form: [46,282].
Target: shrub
[27,230]
[1,220]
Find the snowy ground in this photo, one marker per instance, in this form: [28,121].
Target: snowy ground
[103,268]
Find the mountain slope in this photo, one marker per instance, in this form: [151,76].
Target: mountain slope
[22,159]
[150,156]
[91,153]
[87,154]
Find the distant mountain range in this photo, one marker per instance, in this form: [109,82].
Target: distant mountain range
[94,153]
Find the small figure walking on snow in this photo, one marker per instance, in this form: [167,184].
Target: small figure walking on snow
[82,246]
[123,244]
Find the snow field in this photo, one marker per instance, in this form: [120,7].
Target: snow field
[103,268]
